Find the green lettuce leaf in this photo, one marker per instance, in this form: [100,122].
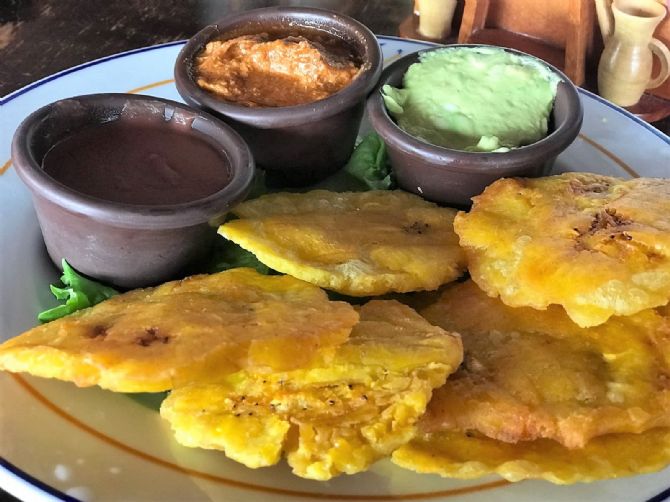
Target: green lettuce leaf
[259,185]
[226,255]
[77,291]
[369,164]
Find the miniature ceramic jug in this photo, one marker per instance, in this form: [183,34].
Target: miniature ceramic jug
[435,17]
[625,66]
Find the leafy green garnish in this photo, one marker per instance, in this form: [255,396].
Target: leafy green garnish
[78,293]
[226,255]
[369,163]
[151,400]
[259,185]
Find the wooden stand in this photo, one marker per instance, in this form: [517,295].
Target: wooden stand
[558,32]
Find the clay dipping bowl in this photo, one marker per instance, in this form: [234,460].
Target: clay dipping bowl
[452,177]
[299,144]
[127,245]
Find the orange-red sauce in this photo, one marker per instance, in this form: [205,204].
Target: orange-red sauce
[255,70]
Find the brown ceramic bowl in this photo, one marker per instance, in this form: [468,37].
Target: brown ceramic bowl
[127,245]
[303,143]
[451,176]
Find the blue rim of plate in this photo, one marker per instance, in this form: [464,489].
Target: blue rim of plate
[10,468]
[13,471]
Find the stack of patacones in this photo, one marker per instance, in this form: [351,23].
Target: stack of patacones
[561,370]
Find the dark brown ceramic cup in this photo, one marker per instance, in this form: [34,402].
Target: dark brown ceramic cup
[451,176]
[303,143]
[126,245]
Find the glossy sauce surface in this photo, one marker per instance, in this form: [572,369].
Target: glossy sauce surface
[260,70]
[135,162]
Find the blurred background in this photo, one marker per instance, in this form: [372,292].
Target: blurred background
[41,37]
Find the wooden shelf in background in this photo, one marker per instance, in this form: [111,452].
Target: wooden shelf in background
[504,38]
[558,32]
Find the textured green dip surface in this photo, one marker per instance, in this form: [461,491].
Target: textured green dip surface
[477,99]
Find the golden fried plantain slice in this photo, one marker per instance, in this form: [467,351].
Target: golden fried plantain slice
[330,417]
[530,374]
[199,328]
[359,244]
[455,455]
[598,246]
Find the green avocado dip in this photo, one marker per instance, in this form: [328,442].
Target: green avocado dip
[478,99]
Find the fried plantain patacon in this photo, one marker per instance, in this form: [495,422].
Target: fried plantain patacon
[599,246]
[456,455]
[329,417]
[531,374]
[358,244]
[195,329]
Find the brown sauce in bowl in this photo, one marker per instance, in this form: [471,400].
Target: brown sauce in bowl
[134,162]
[265,71]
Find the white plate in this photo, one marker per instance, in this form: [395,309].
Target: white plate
[61,442]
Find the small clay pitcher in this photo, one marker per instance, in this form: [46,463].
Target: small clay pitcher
[625,66]
[435,17]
